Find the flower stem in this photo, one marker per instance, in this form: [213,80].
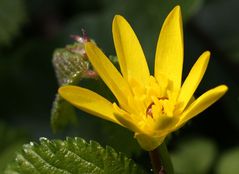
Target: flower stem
[160,160]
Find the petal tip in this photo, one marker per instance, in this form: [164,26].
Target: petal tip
[208,53]
[176,14]
[223,88]
[177,9]
[118,18]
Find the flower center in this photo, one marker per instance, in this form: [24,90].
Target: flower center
[149,110]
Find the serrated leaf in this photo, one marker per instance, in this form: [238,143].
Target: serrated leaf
[72,156]
[12,16]
[70,67]
[69,64]
[198,152]
[228,162]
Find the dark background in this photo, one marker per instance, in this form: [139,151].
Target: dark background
[30,31]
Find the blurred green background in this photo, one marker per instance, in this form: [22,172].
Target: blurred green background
[30,31]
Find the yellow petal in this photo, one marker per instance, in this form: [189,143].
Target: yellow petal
[169,52]
[88,101]
[129,52]
[127,122]
[148,142]
[193,79]
[125,119]
[109,74]
[202,103]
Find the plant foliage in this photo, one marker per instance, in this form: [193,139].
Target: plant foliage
[72,156]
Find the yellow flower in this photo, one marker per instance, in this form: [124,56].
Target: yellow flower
[150,106]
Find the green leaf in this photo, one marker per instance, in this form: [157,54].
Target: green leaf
[228,162]
[69,64]
[194,156]
[70,67]
[72,156]
[12,16]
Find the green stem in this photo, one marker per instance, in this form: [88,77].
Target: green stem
[160,160]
